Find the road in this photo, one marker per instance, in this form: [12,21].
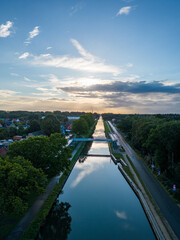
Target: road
[167,206]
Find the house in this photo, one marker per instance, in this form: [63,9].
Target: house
[10,124]
[17,138]
[3,150]
[71,119]
[26,126]
[35,134]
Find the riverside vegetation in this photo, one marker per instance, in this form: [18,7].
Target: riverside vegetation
[25,172]
[157,139]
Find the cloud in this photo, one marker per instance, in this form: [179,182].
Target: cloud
[124,10]
[7,93]
[74,9]
[82,51]
[14,74]
[27,79]
[24,55]
[87,62]
[48,48]
[4,29]
[121,215]
[131,87]
[34,33]
[129,65]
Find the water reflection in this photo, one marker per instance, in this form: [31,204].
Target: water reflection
[58,223]
[85,169]
[122,215]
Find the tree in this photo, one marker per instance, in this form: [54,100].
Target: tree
[34,126]
[18,178]
[20,130]
[12,131]
[3,133]
[50,125]
[48,153]
[80,126]
[89,119]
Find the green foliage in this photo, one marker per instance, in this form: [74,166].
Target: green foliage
[158,139]
[50,125]
[89,119]
[3,133]
[48,153]
[12,131]
[80,127]
[18,178]
[34,126]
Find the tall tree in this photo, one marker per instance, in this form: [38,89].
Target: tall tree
[50,125]
[80,126]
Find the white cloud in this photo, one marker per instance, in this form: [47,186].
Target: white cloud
[82,51]
[27,42]
[34,33]
[24,55]
[27,79]
[48,48]
[129,65]
[14,74]
[87,62]
[4,29]
[124,10]
[7,93]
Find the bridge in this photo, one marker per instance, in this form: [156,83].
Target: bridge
[92,140]
[71,141]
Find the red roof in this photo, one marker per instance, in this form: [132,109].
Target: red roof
[3,151]
[17,137]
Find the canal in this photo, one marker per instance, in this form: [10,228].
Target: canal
[96,202]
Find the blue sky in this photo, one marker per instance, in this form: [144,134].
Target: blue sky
[120,56]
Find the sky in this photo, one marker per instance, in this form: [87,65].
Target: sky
[120,56]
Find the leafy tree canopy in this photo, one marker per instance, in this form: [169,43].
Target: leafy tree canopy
[18,178]
[50,125]
[48,153]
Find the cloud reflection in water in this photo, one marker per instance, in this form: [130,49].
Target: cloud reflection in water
[90,165]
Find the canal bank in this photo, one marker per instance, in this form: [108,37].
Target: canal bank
[29,225]
[159,224]
[97,202]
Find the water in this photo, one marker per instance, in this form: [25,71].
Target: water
[96,203]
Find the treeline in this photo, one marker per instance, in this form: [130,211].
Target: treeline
[157,138]
[47,122]
[26,115]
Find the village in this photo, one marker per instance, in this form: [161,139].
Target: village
[14,129]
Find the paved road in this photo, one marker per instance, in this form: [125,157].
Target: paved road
[167,206]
